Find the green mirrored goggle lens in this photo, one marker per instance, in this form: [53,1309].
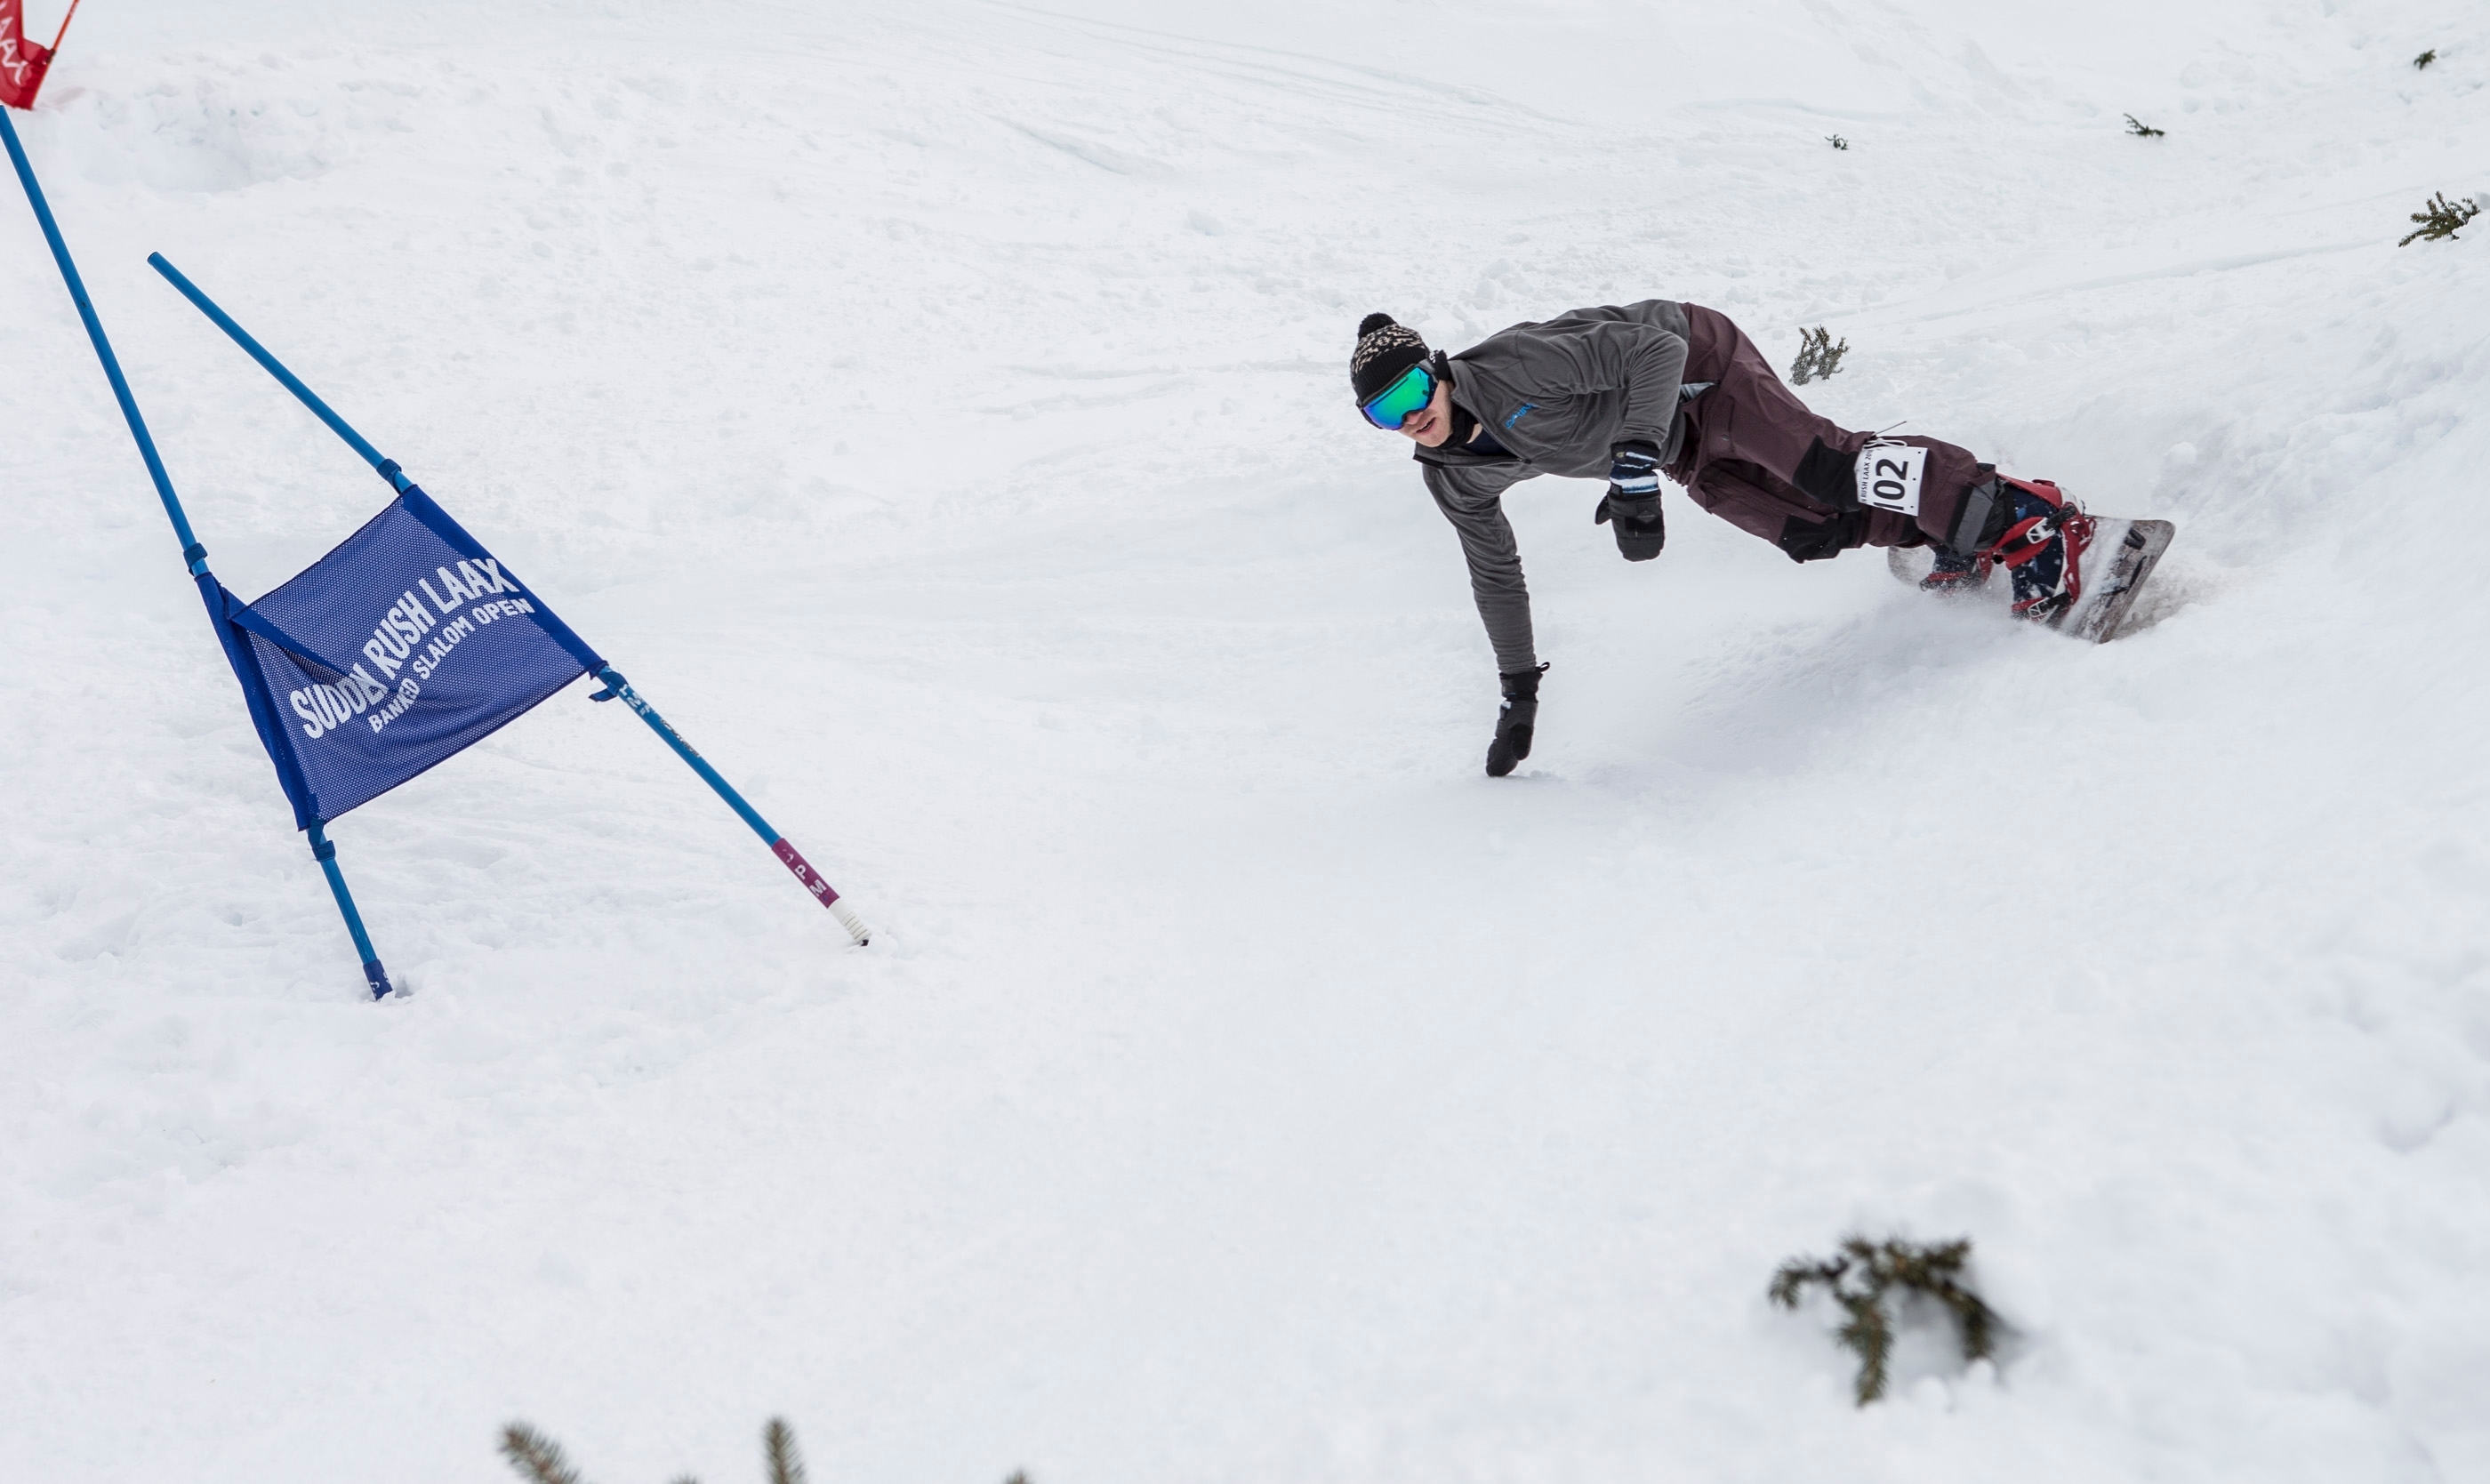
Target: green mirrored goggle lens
[1392,406]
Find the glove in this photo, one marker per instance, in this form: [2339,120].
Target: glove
[1806,543]
[1514,721]
[1633,501]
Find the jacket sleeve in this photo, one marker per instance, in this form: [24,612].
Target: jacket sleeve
[1583,353]
[1472,500]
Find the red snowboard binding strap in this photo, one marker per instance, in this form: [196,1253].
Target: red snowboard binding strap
[2044,548]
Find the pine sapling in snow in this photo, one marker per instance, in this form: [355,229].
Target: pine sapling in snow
[1818,357]
[2142,130]
[2421,63]
[2440,218]
[1837,141]
[1863,1277]
[536,1458]
[539,1459]
[778,1451]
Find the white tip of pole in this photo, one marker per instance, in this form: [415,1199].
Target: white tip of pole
[852,924]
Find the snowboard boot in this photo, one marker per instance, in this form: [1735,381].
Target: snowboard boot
[1954,572]
[2041,547]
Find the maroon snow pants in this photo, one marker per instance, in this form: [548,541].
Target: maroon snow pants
[1745,436]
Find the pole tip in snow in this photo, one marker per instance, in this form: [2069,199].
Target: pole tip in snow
[851,923]
[795,862]
[377,977]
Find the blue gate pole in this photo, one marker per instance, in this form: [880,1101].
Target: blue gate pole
[388,469]
[274,367]
[787,853]
[193,555]
[327,854]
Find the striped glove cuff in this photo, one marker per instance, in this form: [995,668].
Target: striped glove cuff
[1634,470]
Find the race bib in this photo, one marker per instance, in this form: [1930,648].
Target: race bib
[1889,477]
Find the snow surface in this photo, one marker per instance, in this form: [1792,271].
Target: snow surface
[939,411]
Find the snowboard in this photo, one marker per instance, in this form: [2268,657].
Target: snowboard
[2115,569]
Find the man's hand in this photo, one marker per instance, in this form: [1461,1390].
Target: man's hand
[1633,501]
[1515,721]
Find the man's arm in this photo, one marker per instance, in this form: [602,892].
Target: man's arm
[1470,498]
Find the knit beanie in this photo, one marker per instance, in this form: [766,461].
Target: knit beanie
[1384,350]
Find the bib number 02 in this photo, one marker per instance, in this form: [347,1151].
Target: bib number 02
[1889,477]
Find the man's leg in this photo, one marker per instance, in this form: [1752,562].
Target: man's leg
[1755,455]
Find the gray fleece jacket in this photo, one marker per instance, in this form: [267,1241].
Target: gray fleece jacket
[1557,394]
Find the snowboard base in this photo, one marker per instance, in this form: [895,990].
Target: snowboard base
[2117,565]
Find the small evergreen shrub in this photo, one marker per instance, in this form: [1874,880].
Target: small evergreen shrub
[2440,218]
[778,1451]
[2143,131]
[536,1458]
[540,1460]
[1837,141]
[1862,1277]
[1818,357]
[2424,59]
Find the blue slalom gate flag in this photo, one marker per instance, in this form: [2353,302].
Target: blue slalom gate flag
[403,647]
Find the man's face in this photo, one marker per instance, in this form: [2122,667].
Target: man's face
[1429,426]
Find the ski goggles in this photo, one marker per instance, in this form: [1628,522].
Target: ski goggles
[1394,405]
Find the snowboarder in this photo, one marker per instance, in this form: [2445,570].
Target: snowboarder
[1630,393]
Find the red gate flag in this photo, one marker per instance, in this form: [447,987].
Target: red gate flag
[23,63]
